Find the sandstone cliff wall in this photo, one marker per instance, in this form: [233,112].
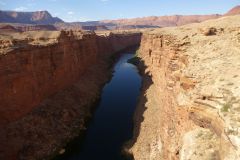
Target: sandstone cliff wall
[48,86]
[189,106]
[162,122]
[30,74]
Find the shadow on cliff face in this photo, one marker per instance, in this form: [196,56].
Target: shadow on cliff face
[76,144]
[57,119]
[55,122]
[140,109]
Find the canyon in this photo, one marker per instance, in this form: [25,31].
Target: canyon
[188,108]
[50,81]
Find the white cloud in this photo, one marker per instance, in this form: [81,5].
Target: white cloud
[70,13]
[104,0]
[20,8]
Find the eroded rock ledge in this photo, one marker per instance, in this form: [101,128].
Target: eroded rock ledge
[191,100]
[48,84]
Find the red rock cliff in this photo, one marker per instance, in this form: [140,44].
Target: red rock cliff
[189,108]
[31,73]
[48,85]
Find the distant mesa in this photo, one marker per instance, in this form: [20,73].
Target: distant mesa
[42,27]
[233,11]
[44,20]
[94,28]
[161,21]
[125,27]
[23,28]
[8,28]
[38,17]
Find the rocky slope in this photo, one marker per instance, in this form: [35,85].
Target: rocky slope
[49,82]
[190,104]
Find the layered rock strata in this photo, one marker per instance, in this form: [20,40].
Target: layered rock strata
[48,84]
[190,105]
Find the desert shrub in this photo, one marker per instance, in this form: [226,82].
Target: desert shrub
[226,107]
[210,31]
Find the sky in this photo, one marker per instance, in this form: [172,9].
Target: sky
[89,10]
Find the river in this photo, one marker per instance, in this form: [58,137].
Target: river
[112,123]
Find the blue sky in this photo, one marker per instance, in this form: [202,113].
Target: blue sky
[84,10]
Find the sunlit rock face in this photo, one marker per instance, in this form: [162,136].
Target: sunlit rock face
[190,109]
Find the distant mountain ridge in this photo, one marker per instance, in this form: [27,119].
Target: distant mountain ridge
[233,11]
[38,17]
[163,21]
[45,18]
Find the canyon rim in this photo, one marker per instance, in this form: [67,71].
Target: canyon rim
[53,73]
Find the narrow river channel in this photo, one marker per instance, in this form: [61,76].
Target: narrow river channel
[112,122]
